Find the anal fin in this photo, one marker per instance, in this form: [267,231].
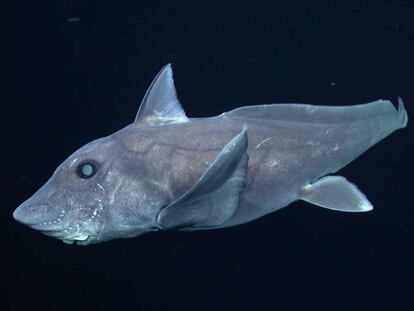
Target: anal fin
[336,193]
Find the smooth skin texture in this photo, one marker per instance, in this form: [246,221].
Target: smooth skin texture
[167,171]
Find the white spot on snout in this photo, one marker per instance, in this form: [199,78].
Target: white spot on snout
[74,161]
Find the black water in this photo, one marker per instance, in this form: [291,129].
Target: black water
[76,70]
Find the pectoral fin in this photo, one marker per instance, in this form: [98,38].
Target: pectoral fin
[336,193]
[215,197]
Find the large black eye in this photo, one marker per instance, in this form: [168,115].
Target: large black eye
[87,169]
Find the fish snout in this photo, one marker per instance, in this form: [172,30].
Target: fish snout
[40,212]
[24,215]
[32,213]
[41,208]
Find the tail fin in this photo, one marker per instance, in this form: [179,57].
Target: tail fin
[402,114]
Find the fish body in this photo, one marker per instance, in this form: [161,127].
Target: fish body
[167,171]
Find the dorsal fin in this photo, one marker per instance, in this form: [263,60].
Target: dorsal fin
[160,104]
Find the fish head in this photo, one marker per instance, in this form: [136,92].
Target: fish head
[73,204]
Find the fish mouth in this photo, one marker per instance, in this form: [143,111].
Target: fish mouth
[55,223]
[79,239]
[55,227]
[68,235]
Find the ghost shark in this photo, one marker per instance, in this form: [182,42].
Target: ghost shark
[167,171]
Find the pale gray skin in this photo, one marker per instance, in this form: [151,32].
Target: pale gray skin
[165,171]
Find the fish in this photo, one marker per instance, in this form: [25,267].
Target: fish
[166,171]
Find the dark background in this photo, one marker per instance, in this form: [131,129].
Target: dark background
[74,71]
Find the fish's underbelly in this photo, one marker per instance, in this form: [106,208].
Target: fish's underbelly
[258,202]
[274,180]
